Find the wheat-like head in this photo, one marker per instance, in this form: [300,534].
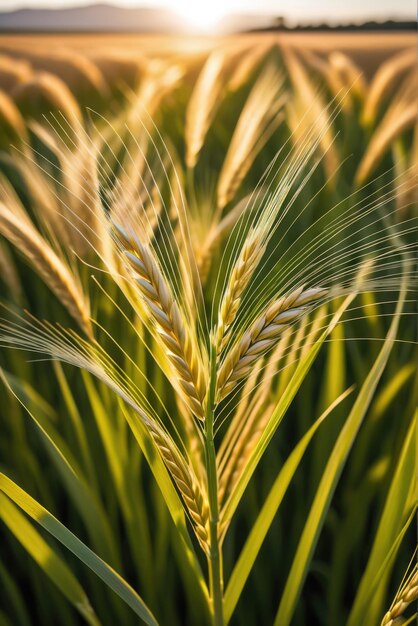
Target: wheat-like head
[244,267]
[257,122]
[169,321]
[17,227]
[186,482]
[407,594]
[248,62]
[11,123]
[384,81]
[262,336]
[308,115]
[202,106]
[46,92]
[12,72]
[400,116]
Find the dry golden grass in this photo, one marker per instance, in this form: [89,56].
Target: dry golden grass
[372,48]
[13,129]
[46,93]
[13,72]
[19,230]
[385,81]
[258,120]
[203,104]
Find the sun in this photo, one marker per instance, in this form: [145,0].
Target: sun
[201,15]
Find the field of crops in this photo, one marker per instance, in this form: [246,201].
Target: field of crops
[208,351]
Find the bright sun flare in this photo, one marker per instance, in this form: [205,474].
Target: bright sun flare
[201,14]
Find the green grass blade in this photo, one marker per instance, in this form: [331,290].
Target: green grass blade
[13,597]
[387,563]
[385,399]
[126,488]
[86,501]
[332,472]
[106,431]
[170,495]
[266,516]
[367,604]
[111,578]
[77,422]
[279,412]
[47,559]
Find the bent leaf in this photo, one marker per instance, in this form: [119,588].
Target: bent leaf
[86,502]
[330,478]
[397,508]
[47,559]
[50,523]
[266,516]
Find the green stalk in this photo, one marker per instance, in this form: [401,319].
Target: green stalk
[215,555]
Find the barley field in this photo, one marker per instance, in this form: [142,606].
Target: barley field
[208,332]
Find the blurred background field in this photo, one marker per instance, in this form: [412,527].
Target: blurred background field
[368,50]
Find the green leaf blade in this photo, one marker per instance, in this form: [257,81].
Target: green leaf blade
[108,575]
[266,516]
[332,472]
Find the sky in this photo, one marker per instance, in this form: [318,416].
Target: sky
[300,10]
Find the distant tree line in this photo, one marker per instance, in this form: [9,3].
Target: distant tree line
[280,25]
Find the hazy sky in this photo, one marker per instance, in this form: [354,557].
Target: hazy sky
[295,9]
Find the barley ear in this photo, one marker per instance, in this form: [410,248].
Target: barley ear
[244,267]
[169,323]
[186,482]
[262,336]
[202,106]
[407,594]
[19,230]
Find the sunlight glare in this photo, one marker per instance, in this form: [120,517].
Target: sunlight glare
[202,15]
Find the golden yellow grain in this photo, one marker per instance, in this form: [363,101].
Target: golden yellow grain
[203,104]
[406,596]
[169,321]
[258,120]
[16,227]
[262,336]
[386,79]
[244,267]
[12,126]
[186,482]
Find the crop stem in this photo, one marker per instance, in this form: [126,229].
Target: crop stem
[214,555]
